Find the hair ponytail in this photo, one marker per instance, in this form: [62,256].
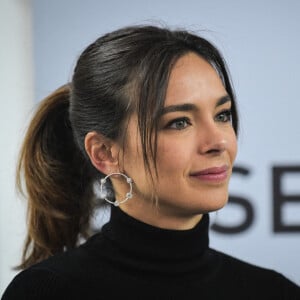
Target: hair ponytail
[57,181]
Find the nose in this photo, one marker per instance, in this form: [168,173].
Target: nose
[212,140]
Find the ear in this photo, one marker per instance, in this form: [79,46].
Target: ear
[102,152]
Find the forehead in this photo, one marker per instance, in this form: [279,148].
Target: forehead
[192,78]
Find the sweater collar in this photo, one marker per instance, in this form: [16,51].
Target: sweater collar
[143,239]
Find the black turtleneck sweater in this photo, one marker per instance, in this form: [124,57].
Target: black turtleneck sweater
[132,260]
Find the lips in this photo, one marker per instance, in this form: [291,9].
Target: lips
[214,174]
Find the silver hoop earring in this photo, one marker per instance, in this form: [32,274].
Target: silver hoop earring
[128,194]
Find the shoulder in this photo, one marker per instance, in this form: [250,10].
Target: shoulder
[259,278]
[37,283]
[58,277]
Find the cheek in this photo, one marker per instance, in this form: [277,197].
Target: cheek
[172,156]
[232,146]
[132,159]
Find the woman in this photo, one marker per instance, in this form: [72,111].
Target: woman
[149,121]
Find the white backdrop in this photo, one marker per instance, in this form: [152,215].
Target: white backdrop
[16,98]
[260,41]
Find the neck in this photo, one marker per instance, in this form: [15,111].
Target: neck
[179,250]
[159,216]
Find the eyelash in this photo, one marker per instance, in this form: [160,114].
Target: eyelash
[227,114]
[173,122]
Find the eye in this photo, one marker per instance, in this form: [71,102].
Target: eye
[224,116]
[179,124]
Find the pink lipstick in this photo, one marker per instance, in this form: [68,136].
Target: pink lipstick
[214,174]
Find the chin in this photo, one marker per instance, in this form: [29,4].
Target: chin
[213,203]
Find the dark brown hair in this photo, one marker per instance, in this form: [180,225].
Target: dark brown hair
[121,72]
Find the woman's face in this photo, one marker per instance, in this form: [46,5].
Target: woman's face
[195,151]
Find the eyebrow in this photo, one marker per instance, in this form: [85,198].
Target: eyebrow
[192,107]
